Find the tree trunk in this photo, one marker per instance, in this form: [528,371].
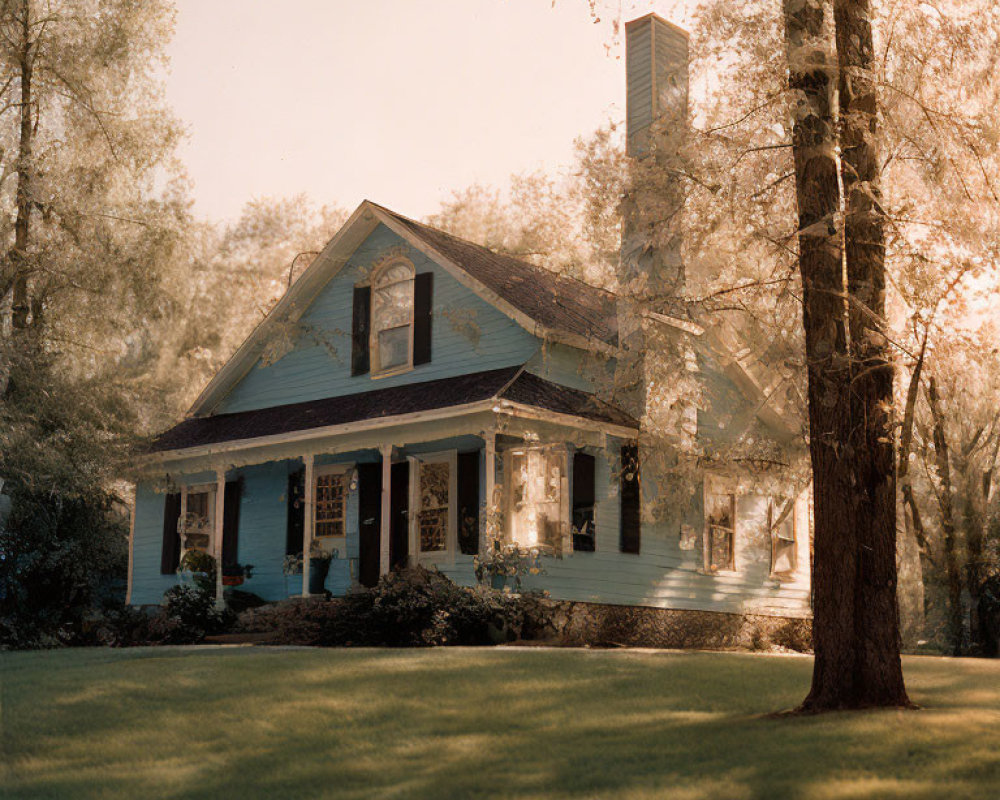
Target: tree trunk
[855,617]
[953,574]
[19,255]
[811,79]
[879,677]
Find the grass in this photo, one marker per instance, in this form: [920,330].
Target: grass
[259,723]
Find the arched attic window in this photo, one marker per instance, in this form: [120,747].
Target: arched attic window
[392,316]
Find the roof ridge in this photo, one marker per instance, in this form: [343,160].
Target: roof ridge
[529,264]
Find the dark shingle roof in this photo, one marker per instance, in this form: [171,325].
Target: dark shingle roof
[508,383]
[554,300]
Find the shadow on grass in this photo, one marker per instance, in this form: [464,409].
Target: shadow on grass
[481,723]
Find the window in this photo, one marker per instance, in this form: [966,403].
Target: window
[197,520]
[434,517]
[583,502]
[392,316]
[331,503]
[535,480]
[720,532]
[781,521]
[432,522]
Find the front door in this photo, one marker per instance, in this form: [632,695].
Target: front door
[370,514]
[399,501]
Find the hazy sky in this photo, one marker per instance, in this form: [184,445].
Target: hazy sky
[397,101]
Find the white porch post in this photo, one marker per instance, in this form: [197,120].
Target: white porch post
[490,466]
[383,541]
[220,495]
[308,520]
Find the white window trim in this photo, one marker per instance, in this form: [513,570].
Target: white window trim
[788,575]
[565,501]
[199,488]
[338,543]
[716,487]
[374,356]
[449,457]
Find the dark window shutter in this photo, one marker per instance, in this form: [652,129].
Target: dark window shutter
[170,555]
[360,330]
[423,291]
[468,503]
[584,466]
[231,525]
[631,519]
[296,513]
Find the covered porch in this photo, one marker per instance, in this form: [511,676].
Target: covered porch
[423,487]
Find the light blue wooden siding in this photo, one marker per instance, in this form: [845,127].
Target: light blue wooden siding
[469,335]
[639,81]
[569,366]
[148,585]
[263,523]
[662,575]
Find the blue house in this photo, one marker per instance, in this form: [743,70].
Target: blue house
[414,396]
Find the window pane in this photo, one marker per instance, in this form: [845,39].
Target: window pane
[330,505]
[394,305]
[394,347]
[722,548]
[198,524]
[719,510]
[535,497]
[435,480]
[784,556]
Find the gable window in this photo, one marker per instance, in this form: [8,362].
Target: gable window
[781,521]
[536,503]
[197,519]
[720,531]
[392,317]
[331,503]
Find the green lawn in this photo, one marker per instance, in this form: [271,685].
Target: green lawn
[253,722]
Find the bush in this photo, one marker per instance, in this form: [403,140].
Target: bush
[188,615]
[410,608]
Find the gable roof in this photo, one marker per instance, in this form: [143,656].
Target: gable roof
[510,384]
[560,303]
[546,304]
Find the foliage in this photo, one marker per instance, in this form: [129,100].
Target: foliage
[189,614]
[507,560]
[292,565]
[407,608]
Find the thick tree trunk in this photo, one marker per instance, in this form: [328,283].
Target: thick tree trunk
[953,575]
[812,74]
[879,676]
[855,617]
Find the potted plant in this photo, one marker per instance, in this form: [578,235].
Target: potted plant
[236,574]
[505,563]
[319,566]
[198,568]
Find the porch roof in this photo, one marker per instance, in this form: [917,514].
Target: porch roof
[510,384]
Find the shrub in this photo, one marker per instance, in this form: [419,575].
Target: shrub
[188,615]
[410,608]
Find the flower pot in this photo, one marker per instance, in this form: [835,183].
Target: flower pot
[232,580]
[498,582]
[317,576]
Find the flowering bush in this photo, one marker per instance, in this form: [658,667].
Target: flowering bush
[507,560]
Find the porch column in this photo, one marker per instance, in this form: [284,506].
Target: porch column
[220,501]
[383,541]
[490,468]
[308,520]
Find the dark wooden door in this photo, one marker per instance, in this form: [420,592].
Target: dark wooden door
[370,522]
[399,501]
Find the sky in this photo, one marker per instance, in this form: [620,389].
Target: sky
[396,101]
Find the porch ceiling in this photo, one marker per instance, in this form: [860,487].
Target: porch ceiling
[507,385]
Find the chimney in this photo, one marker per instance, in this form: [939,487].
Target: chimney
[650,270]
[656,73]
